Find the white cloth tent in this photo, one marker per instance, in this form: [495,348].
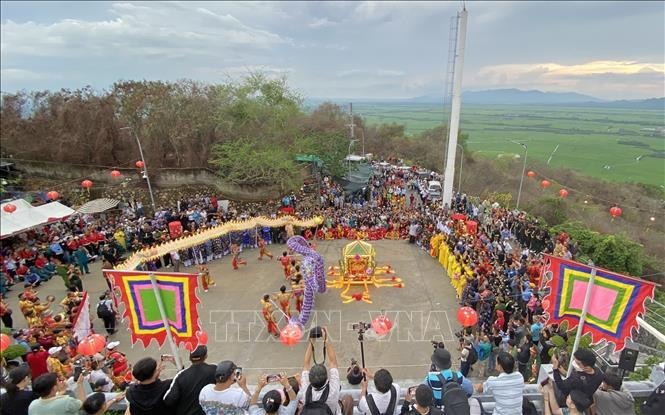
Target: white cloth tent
[26,216]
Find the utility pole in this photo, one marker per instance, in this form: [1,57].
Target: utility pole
[145,167]
[449,174]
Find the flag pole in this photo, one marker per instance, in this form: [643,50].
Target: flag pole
[580,325]
[165,320]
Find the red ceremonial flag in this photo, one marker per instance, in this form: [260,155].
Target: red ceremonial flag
[615,303]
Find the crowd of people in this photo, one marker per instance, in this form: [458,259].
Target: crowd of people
[498,266]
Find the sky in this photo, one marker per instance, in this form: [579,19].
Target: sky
[610,50]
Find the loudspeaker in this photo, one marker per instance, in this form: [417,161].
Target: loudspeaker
[628,359]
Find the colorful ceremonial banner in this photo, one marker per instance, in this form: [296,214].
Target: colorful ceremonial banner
[616,300]
[178,293]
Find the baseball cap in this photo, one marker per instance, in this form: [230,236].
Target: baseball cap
[224,370]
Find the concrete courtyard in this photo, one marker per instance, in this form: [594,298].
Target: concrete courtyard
[423,310]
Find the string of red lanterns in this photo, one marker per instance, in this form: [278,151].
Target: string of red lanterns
[615,210]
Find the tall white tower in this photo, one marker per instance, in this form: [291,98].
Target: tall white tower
[456,102]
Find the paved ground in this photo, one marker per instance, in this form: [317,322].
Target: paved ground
[423,310]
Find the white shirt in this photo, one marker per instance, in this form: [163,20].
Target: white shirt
[230,401]
[333,392]
[381,400]
[507,389]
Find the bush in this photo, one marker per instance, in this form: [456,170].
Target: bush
[551,209]
[614,252]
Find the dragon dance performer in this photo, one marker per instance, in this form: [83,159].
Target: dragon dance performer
[285,260]
[235,251]
[206,279]
[266,310]
[284,300]
[263,251]
[298,289]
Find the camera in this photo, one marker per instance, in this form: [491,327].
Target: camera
[272,378]
[316,332]
[438,345]
[361,326]
[238,371]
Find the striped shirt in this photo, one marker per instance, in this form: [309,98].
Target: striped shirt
[507,389]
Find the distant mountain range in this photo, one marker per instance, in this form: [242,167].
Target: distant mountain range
[531,97]
[514,96]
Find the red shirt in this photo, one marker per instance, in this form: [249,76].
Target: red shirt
[37,363]
[285,260]
[40,262]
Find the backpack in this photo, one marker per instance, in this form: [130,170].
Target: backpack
[472,358]
[528,407]
[316,407]
[453,397]
[103,310]
[391,406]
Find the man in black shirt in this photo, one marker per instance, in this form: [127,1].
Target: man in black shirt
[584,377]
[183,395]
[146,397]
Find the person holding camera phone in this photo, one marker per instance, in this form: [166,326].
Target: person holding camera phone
[272,401]
[146,396]
[321,385]
[384,400]
[221,397]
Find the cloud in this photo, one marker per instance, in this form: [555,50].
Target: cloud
[370,73]
[154,30]
[595,77]
[321,22]
[24,75]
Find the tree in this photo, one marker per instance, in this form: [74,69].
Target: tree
[247,162]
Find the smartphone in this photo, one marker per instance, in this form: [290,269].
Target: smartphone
[77,372]
[272,378]
[165,357]
[238,371]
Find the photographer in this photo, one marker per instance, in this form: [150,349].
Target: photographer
[441,362]
[382,402]
[272,401]
[221,396]
[321,385]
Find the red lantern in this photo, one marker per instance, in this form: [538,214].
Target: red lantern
[92,344]
[86,348]
[139,164]
[467,316]
[563,193]
[615,211]
[5,342]
[202,337]
[382,325]
[87,184]
[531,174]
[98,341]
[53,195]
[290,334]
[115,174]
[190,346]
[9,208]
[545,184]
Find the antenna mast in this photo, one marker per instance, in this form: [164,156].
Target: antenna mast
[449,174]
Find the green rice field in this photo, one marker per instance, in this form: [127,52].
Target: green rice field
[610,143]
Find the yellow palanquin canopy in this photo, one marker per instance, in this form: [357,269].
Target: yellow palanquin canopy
[357,256]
